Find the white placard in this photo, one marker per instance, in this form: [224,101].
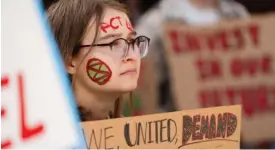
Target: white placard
[38,109]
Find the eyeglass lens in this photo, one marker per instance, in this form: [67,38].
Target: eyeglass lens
[141,43]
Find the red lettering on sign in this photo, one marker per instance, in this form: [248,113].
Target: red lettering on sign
[3,112]
[209,68]
[6,144]
[263,104]
[230,94]
[248,100]
[251,66]
[239,39]
[223,40]
[266,64]
[254,33]
[175,41]
[192,42]
[4,84]
[236,67]
[258,99]
[217,41]
[26,132]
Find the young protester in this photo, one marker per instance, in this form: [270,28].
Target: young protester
[101,53]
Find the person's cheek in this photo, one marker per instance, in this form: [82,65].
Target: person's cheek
[98,71]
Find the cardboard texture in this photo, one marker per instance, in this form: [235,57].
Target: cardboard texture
[229,63]
[209,128]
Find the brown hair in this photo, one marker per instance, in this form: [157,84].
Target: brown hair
[69,20]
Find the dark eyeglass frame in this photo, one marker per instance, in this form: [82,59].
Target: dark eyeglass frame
[112,43]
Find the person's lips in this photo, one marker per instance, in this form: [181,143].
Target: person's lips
[130,71]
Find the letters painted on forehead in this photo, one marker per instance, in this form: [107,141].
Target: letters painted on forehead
[115,23]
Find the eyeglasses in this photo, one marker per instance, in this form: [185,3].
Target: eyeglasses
[121,46]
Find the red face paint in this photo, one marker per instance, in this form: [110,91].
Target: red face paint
[98,71]
[114,23]
[129,25]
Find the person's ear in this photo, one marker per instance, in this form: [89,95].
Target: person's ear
[71,66]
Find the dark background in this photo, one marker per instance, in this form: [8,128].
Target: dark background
[253,6]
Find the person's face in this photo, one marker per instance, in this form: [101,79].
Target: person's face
[112,68]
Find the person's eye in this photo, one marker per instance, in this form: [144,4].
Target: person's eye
[116,43]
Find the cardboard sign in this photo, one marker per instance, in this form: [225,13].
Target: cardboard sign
[202,128]
[230,63]
[37,107]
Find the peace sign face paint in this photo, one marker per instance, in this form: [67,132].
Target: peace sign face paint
[98,71]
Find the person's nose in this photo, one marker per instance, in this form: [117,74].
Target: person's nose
[131,54]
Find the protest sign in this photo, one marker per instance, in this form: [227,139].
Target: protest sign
[228,63]
[37,107]
[217,127]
